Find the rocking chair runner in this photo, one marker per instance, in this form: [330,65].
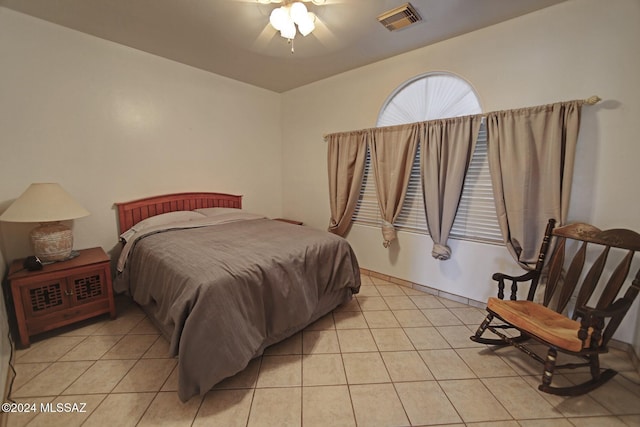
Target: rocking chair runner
[597,314]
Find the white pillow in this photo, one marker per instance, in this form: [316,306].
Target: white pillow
[162,219]
[216,211]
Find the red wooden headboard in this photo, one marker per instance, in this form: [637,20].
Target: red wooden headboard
[130,213]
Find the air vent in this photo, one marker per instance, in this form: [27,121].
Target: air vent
[399,17]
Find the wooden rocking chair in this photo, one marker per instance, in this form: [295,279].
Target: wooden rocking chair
[598,309]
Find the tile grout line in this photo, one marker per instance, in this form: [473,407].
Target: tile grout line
[520,374]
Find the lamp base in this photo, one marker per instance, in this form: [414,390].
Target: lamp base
[52,242]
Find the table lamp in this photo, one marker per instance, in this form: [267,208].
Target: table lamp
[47,203]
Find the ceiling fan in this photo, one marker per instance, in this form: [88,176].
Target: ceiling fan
[331,18]
[292,18]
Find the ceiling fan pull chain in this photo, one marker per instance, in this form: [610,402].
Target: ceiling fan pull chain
[292,48]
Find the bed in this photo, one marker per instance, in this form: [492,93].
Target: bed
[223,284]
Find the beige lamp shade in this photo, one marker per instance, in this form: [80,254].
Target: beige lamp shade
[47,203]
[44,202]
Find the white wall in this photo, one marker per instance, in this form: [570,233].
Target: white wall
[5,345]
[570,51]
[112,124]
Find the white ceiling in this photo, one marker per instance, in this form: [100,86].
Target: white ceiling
[233,37]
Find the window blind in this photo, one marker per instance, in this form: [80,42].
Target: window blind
[476,217]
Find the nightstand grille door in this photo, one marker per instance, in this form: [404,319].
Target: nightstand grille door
[46,296]
[88,287]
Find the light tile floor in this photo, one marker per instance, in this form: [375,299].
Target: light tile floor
[393,356]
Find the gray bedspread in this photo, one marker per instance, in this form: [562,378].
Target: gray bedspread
[223,293]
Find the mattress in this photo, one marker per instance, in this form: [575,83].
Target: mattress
[223,290]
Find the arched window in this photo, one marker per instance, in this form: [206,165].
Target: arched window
[428,97]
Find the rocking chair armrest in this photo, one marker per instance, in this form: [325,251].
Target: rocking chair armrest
[523,278]
[501,278]
[592,320]
[588,312]
[591,325]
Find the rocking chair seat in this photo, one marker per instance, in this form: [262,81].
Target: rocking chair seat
[540,321]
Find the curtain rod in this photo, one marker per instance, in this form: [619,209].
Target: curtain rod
[592,100]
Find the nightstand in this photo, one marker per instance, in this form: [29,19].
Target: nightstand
[61,293]
[290,221]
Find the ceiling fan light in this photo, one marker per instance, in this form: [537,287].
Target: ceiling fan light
[306,30]
[298,12]
[279,18]
[308,26]
[288,31]
[311,17]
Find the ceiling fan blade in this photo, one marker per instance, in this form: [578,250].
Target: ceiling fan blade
[325,35]
[264,38]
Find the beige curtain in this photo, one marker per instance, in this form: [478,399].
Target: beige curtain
[347,153]
[392,152]
[531,157]
[446,149]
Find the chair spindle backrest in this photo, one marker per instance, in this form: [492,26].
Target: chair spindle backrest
[589,239]
[544,248]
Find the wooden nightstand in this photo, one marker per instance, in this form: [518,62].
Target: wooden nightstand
[61,293]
